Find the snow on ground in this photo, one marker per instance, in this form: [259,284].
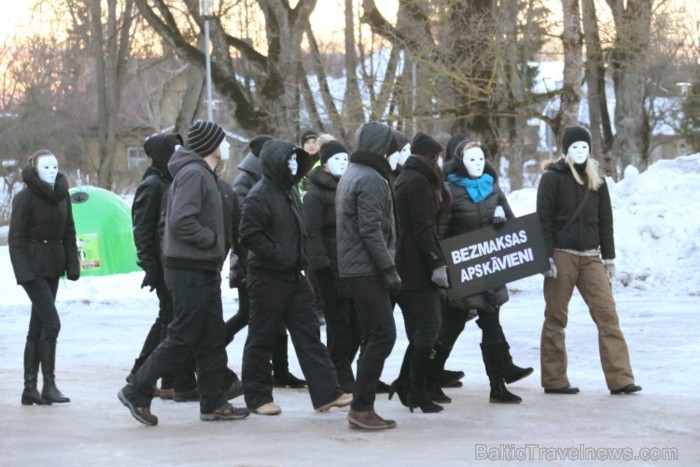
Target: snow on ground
[104,321]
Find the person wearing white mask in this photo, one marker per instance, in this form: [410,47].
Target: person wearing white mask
[343,332]
[43,248]
[574,207]
[478,202]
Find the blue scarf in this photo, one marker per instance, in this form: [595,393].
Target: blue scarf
[477,189]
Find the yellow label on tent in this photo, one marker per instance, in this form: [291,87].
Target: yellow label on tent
[88,251]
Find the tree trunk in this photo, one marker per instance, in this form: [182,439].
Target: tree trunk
[573,67]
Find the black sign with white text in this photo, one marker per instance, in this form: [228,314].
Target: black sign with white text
[487,258]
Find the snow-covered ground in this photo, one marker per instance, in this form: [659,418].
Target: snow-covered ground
[657,229]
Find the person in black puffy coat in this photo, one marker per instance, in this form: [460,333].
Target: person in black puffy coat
[478,202]
[42,248]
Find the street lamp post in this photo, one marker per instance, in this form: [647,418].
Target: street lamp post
[206,14]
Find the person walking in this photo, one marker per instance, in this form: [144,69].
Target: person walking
[366,236]
[43,248]
[573,204]
[194,251]
[272,229]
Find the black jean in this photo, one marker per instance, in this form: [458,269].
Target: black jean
[288,302]
[421,315]
[198,326]
[343,330]
[240,320]
[44,322]
[454,320]
[375,310]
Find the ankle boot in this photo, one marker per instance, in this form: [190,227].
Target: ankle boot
[31,395]
[47,354]
[513,372]
[401,385]
[280,366]
[418,395]
[493,356]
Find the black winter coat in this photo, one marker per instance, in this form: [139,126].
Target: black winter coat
[417,251]
[42,232]
[146,212]
[319,215]
[558,197]
[272,219]
[249,174]
[464,215]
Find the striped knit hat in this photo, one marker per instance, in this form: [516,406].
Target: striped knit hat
[204,137]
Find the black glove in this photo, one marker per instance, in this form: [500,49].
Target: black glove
[392,279]
[236,273]
[150,280]
[73,273]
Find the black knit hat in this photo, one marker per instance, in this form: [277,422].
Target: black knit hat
[204,137]
[573,134]
[256,144]
[425,145]
[330,149]
[308,134]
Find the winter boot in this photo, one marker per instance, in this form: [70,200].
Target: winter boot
[513,372]
[47,355]
[282,378]
[418,395]
[494,362]
[401,385]
[446,378]
[31,395]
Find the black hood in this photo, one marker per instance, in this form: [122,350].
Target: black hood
[375,138]
[273,159]
[251,165]
[37,185]
[160,148]
[452,146]
[183,157]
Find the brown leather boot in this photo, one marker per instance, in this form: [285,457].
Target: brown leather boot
[368,420]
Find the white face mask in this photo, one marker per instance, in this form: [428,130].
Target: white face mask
[474,162]
[441,161]
[47,168]
[293,165]
[578,152]
[393,160]
[337,164]
[404,154]
[225,149]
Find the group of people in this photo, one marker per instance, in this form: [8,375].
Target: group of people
[316,226]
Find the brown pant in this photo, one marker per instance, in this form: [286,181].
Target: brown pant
[589,276]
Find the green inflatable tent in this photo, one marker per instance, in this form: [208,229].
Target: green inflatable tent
[103,231]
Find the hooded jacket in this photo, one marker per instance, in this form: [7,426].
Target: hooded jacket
[272,220]
[366,232]
[41,238]
[319,214]
[249,174]
[558,197]
[194,235]
[150,202]
[418,251]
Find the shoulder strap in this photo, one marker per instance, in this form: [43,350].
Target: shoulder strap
[577,212]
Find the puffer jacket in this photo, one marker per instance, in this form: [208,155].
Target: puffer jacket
[41,238]
[194,235]
[558,197]
[366,229]
[272,220]
[319,214]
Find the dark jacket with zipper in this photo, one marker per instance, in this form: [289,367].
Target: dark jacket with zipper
[272,220]
[418,251]
[319,214]
[41,238]
[558,197]
[194,235]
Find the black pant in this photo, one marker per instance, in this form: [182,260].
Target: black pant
[240,319]
[375,310]
[277,302]
[454,320]
[343,330]
[44,322]
[198,326]
[421,315]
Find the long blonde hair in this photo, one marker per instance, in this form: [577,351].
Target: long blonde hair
[594,178]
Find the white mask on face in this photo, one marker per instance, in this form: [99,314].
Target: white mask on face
[474,162]
[293,165]
[578,152]
[441,161]
[225,149]
[393,160]
[404,154]
[47,168]
[337,164]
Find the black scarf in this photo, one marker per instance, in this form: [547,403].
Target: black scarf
[378,163]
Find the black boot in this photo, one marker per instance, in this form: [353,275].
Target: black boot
[418,395]
[494,357]
[401,385]
[446,378]
[280,366]
[513,372]
[31,395]
[47,355]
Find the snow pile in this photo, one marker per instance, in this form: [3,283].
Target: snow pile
[657,227]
